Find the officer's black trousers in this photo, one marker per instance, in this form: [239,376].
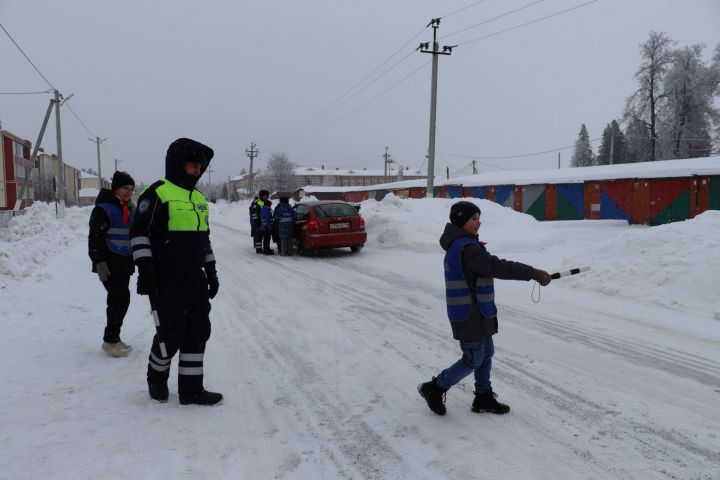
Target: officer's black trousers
[118,301]
[182,318]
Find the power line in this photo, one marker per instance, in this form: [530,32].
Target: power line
[497,157]
[26,57]
[529,23]
[493,19]
[25,93]
[80,121]
[463,8]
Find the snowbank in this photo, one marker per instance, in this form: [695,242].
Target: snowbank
[30,240]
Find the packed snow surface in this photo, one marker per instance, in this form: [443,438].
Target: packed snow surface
[612,374]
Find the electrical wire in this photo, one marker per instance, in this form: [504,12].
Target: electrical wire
[25,93]
[27,58]
[528,23]
[463,8]
[481,157]
[78,119]
[492,19]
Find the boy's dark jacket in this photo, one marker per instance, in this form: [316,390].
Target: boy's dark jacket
[477,262]
[97,244]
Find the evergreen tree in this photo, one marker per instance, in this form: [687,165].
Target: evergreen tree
[583,154]
[613,146]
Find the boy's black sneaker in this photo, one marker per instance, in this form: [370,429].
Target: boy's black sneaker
[158,391]
[202,398]
[434,395]
[485,402]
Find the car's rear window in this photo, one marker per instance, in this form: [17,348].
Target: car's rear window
[336,210]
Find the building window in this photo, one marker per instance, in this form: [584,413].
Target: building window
[19,171]
[314,180]
[18,149]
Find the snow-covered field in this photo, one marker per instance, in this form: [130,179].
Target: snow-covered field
[614,374]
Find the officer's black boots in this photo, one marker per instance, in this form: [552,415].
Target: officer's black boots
[485,402]
[202,398]
[434,395]
[158,391]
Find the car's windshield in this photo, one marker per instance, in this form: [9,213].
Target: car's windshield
[336,210]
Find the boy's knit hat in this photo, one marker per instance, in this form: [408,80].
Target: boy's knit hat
[121,179]
[462,211]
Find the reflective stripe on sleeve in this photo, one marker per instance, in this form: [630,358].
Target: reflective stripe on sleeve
[143,252]
[139,241]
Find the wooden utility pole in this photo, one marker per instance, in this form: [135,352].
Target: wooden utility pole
[61,173]
[98,141]
[388,161]
[447,50]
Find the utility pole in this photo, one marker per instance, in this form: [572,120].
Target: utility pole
[33,156]
[252,153]
[98,141]
[474,169]
[116,164]
[558,160]
[612,147]
[447,173]
[61,166]
[388,161]
[447,50]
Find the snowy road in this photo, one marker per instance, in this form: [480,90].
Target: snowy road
[319,358]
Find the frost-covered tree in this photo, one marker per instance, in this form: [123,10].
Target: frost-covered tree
[279,176]
[583,154]
[637,141]
[689,115]
[612,146]
[645,103]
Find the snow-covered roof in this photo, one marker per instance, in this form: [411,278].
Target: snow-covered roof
[89,192]
[358,172]
[659,169]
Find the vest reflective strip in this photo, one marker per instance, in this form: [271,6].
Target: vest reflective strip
[286,219]
[118,231]
[159,368]
[140,241]
[463,300]
[485,297]
[190,370]
[143,252]
[120,243]
[191,357]
[455,284]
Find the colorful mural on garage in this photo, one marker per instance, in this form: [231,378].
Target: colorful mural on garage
[453,191]
[533,201]
[570,201]
[616,200]
[669,200]
[505,195]
[476,192]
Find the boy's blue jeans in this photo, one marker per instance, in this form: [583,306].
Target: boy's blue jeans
[477,357]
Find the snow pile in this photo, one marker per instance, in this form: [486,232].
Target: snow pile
[31,240]
[416,224]
[671,265]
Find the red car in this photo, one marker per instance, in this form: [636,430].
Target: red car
[328,224]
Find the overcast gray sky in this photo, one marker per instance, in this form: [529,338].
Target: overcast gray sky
[228,73]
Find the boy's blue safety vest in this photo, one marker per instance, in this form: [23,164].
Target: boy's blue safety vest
[461,298]
[118,235]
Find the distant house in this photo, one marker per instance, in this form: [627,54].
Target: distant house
[90,187]
[47,175]
[15,166]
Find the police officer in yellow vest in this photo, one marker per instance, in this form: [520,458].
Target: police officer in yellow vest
[170,241]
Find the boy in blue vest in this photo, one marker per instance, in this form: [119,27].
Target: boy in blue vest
[109,250]
[470,297]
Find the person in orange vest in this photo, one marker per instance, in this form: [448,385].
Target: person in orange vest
[109,250]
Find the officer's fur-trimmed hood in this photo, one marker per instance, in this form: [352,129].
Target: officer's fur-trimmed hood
[185,150]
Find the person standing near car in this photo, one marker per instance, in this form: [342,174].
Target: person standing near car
[170,239]
[109,251]
[470,296]
[266,224]
[284,225]
[256,220]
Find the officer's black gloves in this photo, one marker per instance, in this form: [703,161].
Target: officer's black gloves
[103,271]
[147,280]
[541,276]
[212,279]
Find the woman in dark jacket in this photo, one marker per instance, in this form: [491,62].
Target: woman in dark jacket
[109,250]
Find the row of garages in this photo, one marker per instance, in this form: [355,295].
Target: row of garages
[650,200]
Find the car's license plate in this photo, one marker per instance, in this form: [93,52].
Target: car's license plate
[337,226]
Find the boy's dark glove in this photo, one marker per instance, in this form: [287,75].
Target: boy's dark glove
[541,276]
[147,280]
[212,279]
[103,271]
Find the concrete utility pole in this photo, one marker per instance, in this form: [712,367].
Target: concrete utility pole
[116,164]
[61,166]
[252,153]
[558,160]
[33,155]
[388,161]
[98,141]
[612,147]
[474,169]
[447,50]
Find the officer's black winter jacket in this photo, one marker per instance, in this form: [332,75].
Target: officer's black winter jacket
[172,251]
